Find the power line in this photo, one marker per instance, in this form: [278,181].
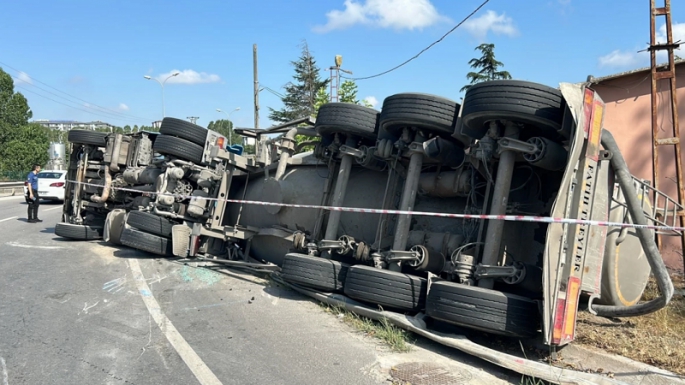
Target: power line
[72,96]
[272,91]
[110,115]
[99,114]
[423,50]
[76,108]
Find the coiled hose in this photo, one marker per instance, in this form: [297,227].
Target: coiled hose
[646,239]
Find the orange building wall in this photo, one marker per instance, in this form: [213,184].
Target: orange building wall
[628,117]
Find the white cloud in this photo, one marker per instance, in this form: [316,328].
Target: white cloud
[188,77]
[677,32]
[395,14]
[23,77]
[123,107]
[626,59]
[619,58]
[491,22]
[371,100]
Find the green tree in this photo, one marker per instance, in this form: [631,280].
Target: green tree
[225,128]
[25,147]
[21,144]
[489,67]
[346,94]
[14,108]
[322,97]
[135,128]
[300,96]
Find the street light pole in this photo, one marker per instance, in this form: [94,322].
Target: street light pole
[162,84]
[228,117]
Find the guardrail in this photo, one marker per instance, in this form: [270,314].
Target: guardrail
[11,189]
[11,184]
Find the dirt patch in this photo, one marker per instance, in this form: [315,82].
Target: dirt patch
[656,339]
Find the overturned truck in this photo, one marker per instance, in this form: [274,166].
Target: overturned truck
[426,207]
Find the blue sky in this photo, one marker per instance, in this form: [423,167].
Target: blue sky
[90,57]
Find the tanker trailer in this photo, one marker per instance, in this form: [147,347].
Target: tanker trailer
[405,208]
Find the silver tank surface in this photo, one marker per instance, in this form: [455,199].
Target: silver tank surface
[304,184]
[57,150]
[56,156]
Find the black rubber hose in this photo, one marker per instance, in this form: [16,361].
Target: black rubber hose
[663,280]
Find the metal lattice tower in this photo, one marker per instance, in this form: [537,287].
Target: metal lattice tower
[335,83]
[658,74]
[335,79]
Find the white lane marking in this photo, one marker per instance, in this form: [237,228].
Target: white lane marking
[5,380]
[203,374]
[15,244]
[54,208]
[7,219]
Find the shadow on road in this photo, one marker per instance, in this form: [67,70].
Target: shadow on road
[44,203]
[48,230]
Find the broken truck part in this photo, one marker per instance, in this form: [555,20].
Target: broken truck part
[512,148]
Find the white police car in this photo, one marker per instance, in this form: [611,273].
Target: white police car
[50,184]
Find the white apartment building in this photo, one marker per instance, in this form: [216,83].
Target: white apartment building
[65,125]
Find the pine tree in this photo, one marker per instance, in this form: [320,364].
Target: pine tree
[488,67]
[301,95]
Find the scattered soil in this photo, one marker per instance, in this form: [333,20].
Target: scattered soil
[656,339]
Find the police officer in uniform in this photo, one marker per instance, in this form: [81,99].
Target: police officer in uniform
[32,197]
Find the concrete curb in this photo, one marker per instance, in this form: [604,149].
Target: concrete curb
[625,369]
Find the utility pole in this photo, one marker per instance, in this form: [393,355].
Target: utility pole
[256,87]
[193,119]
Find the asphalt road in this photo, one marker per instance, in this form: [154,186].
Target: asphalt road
[89,313]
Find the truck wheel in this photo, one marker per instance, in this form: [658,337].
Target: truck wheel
[428,112]
[483,309]
[150,223]
[184,130]
[80,232]
[146,242]
[386,288]
[315,272]
[87,137]
[114,225]
[347,118]
[180,148]
[533,104]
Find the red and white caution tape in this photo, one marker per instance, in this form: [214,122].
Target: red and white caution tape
[511,218]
